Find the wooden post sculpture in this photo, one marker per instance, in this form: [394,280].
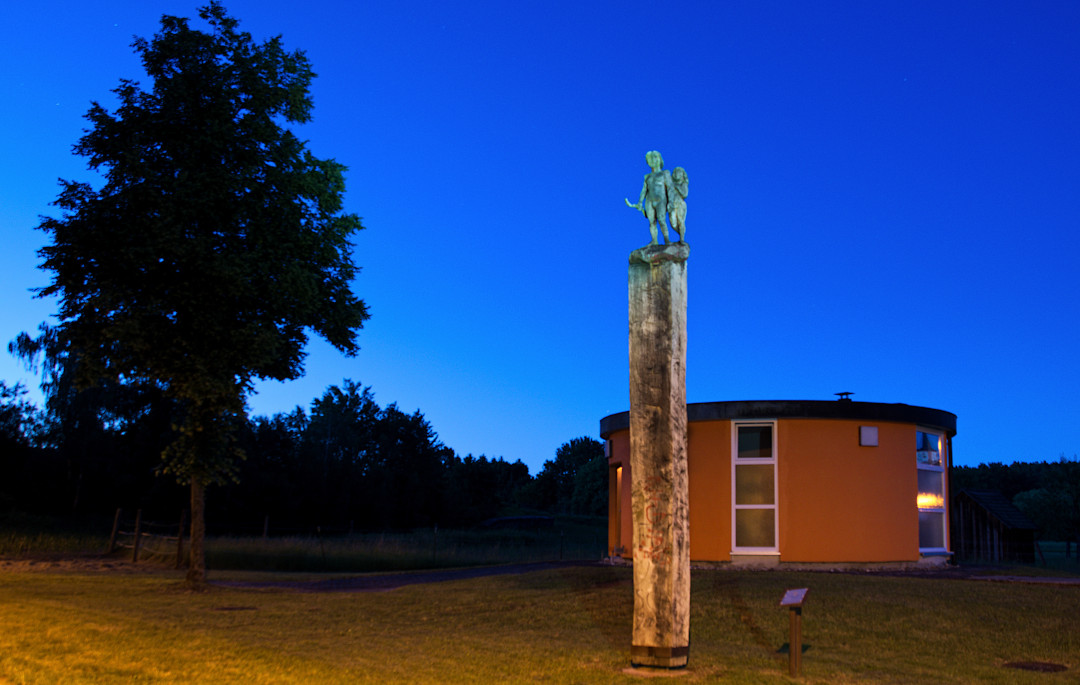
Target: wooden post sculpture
[658,472]
[659,493]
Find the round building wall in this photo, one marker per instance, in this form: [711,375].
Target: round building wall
[844,481]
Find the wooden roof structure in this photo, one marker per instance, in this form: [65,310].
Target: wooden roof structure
[988,527]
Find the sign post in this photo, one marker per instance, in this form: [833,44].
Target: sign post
[793,600]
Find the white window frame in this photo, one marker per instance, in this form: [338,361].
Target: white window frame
[775,506]
[941,469]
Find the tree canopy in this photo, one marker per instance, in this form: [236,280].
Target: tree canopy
[575,481]
[216,243]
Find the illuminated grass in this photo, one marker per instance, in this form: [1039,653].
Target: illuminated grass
[570,625]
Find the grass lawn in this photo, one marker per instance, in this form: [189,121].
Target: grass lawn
[418,549]
[568,625]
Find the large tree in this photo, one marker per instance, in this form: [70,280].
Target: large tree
[216,243]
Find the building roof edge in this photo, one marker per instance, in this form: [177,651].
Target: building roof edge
[801,409]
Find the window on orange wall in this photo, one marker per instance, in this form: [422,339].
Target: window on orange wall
[930,461]
[753,485]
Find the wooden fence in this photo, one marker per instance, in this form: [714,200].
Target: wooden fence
[148,537]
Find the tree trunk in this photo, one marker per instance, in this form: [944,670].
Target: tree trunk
[196,575]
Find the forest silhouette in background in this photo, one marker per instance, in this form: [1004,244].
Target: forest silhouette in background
[346,460]
[342,462]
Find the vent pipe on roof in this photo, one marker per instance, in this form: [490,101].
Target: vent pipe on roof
[844,396]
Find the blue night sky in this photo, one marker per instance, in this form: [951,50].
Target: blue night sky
[884,199]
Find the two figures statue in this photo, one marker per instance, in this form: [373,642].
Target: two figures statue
[662,195]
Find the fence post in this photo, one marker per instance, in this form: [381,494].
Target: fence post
[115,528]
[180,539]
[138,535]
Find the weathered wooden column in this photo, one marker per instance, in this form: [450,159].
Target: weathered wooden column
[659,492]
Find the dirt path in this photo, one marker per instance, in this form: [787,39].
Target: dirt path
[88,564]
[389,581]
[1043,580]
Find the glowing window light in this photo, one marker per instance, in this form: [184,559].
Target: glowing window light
[930,500]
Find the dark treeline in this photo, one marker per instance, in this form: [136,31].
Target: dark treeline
[350,461]
[1047,492]
[343,463]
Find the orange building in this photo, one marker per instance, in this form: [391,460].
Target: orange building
[804,482]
